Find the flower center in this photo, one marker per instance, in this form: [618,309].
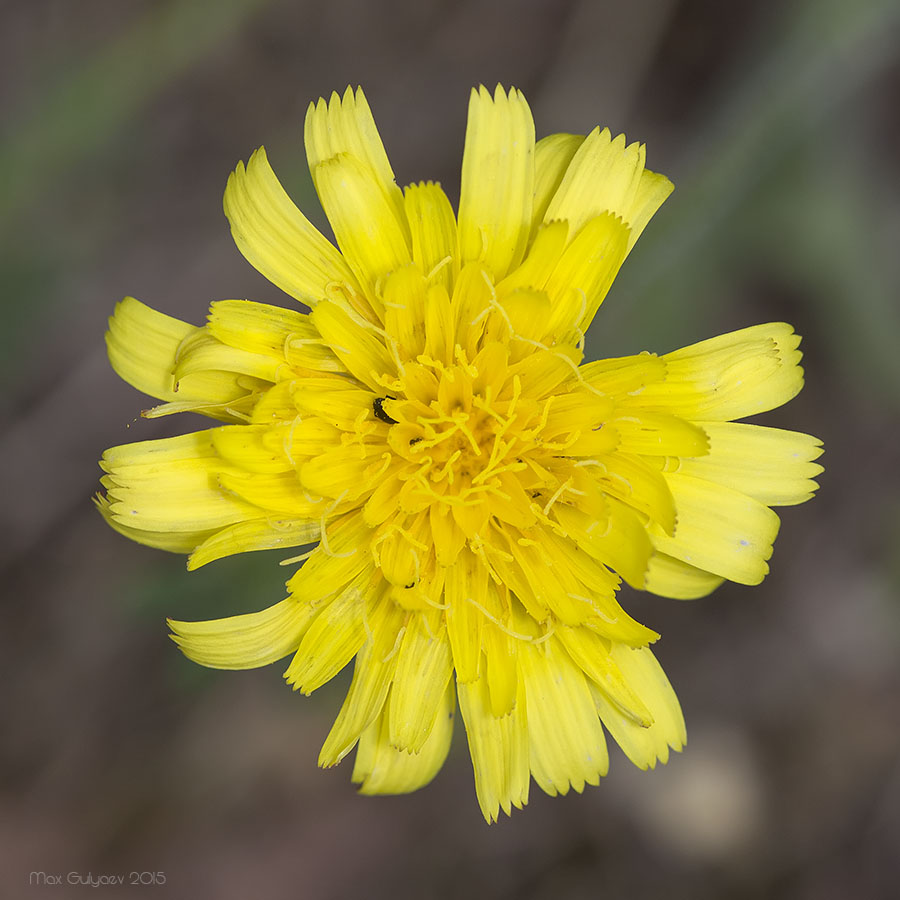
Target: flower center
[466,433]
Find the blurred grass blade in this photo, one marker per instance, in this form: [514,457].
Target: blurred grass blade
[101,96]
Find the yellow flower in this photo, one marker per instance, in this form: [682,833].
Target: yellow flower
[474,492]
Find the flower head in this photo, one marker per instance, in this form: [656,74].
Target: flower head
[474,491]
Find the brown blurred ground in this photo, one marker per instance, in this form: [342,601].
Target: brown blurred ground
[779,124]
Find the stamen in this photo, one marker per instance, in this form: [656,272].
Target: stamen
[591,462]
[461,420]
[504,628]
[323,537]
[479,546]
[556,495]
[583,308]
[517,393]
[375,475]
[438,266]
[417,566]
[427,624]
[435,604]
[611,620]
[568,361]
[357,433]
[370,635]
[297,559]
[237,414]
[288,442]
[400,632]
[497,451]
[532,433]
[485,406]
[425,360]
[447,470]
[460,355]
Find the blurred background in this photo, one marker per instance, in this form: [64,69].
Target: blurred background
[779,123]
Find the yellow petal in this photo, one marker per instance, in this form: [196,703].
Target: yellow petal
[198,445]
[567,745]
[772,465]
[624,375]
[424,667]
[404,310]
[644,745]
[345,125]
[618,540]
[382,769]
[592,654]
[440,328]
[244,642]
[433,228]
[673,578]
[498,747]
[170,485]
[201,352]
[332,640]
[276,238]
[472,296]
[371,237]
[384,501]
[585,272]
[447,536]
[652,191]
[402,550]
[172,541]
[225,396]
[142,345]
[730,376]
[372,677]
[603,177]
[512,577]
[543,370]
[258,327]
[341,558]
[360,349]
[245,447]
[304,351]
[500,654]
[553,587]
[604,614]
[659,434]
[280,493]
[527,313]
[337,401]
[636,483]
[552,156]
[305,437]
[720,530]
[465,585]
[576,410]
[543,256]
[497,190]
[341,472]
[259,534]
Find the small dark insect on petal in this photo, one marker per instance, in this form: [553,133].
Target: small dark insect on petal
[378,409]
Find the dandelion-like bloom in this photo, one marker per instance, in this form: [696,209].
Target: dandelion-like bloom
[475,493]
